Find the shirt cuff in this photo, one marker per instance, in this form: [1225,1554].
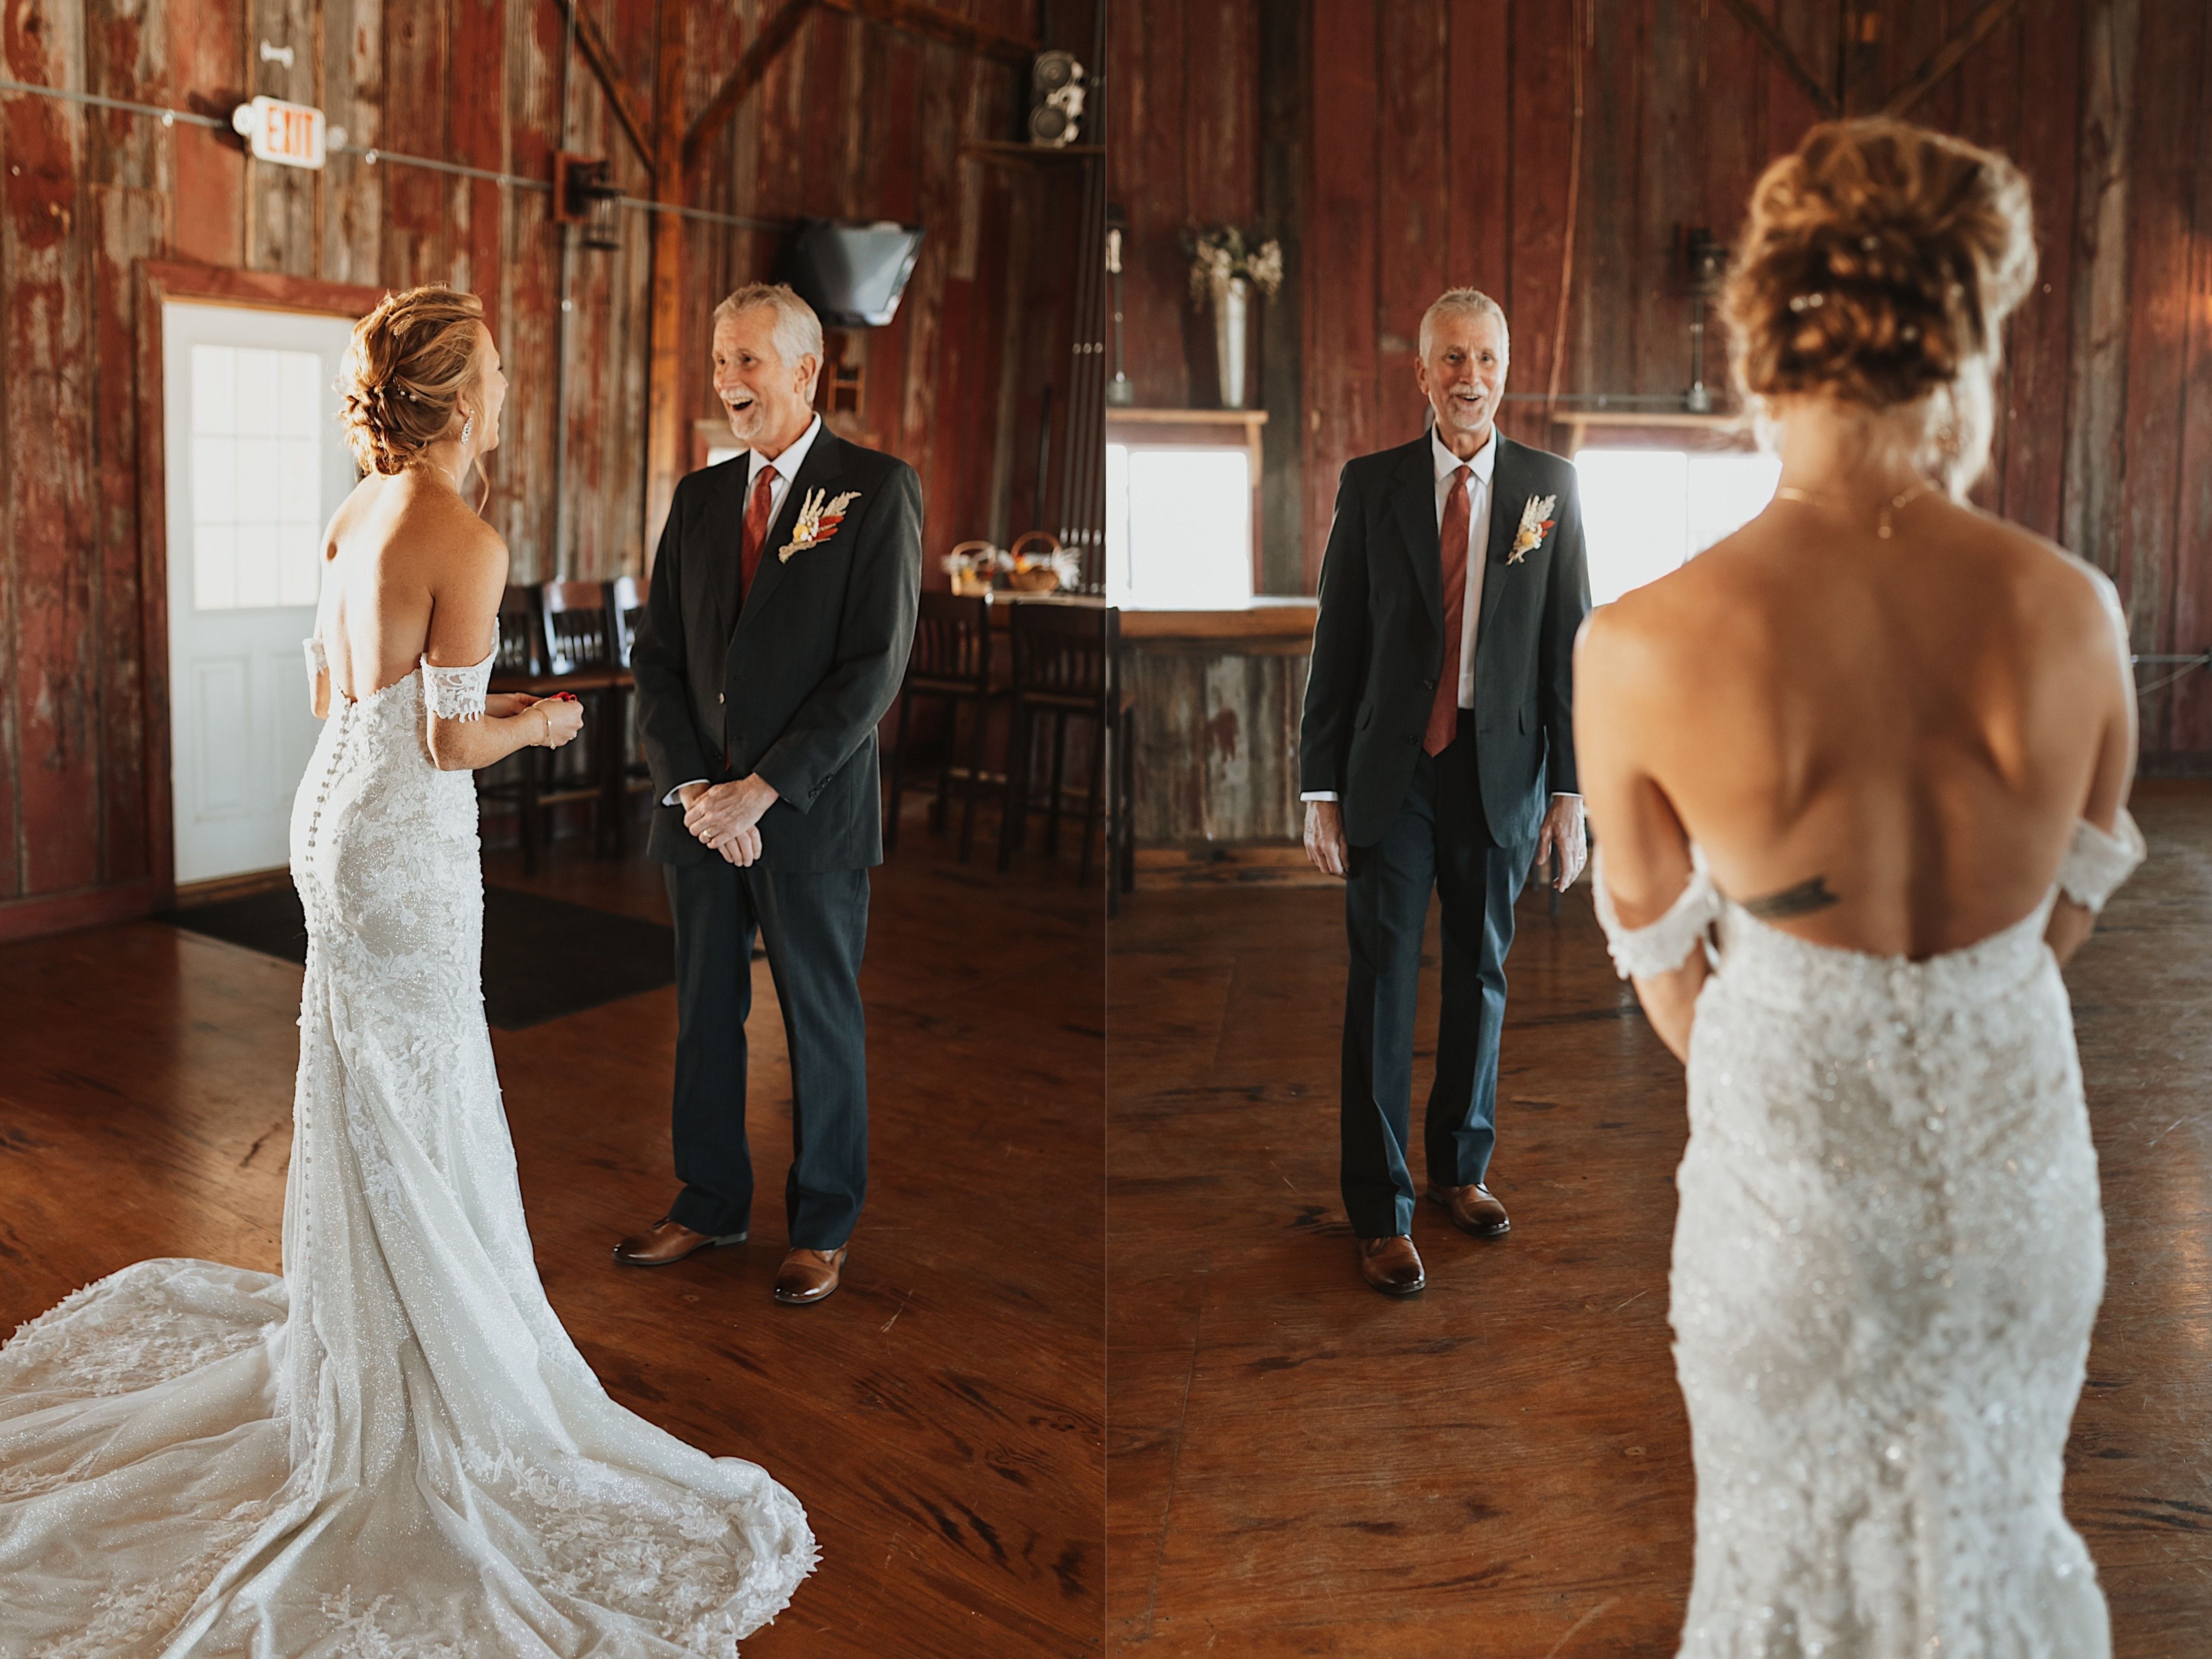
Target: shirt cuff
[1318,794]
[669,799]
[1565,794]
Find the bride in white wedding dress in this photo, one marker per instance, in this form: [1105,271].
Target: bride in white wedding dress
[1859,772]
[393,1451]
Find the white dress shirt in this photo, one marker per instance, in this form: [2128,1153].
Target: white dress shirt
[1483,462]
[787,467]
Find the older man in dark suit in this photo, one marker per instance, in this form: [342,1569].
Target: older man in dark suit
[780,615]
[1436,752]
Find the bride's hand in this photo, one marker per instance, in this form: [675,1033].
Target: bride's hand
[563,718]
[505,705]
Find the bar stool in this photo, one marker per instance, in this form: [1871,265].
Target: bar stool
[1065,660]
[951,662]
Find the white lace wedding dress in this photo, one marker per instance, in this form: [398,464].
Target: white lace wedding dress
[1888,1257]
[393,1451]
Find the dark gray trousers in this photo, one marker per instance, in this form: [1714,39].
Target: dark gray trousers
[815,926]
[1439,841]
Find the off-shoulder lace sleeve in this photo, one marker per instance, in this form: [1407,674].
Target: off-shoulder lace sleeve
[457,693]
[1661,946]
[2096,863]
[317,663]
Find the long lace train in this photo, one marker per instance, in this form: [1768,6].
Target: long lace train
[393,1451]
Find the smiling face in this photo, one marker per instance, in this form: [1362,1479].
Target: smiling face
[770,398]
[1461,371]
[489,395]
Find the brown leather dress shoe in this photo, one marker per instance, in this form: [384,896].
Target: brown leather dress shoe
[807,1276]
[1392,1266]
[1474,1210]
[666,1242]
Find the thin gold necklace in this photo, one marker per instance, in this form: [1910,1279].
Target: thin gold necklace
[1895,504]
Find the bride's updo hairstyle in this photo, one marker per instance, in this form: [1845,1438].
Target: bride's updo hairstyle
[410,360]
[1876,267]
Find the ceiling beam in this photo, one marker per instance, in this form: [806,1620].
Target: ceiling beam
[602,60]
[1948,56]
[928,22]
[925,22]
[777,33]
[1762,27]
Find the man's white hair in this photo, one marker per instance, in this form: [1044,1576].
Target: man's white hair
[798,332]
[1463,302]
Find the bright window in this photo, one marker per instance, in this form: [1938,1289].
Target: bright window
[257,480]
[1647,511]
[1178,527]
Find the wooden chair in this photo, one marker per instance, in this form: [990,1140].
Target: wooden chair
[554,638]
[626,597]
[519,666]
[1065,666]
[579,650]
[951,662]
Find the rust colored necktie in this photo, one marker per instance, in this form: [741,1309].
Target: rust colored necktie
[1451,545]
[755,536]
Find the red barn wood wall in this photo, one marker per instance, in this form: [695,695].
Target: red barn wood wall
[855,120]
[1434,139]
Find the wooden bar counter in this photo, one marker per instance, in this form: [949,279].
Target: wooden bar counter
[1219,694]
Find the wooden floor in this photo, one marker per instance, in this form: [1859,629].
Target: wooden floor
[1501,1465]
[939,1417]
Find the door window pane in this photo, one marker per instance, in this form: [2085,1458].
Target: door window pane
[256,476]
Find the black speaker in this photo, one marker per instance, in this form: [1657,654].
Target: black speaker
[1055,99]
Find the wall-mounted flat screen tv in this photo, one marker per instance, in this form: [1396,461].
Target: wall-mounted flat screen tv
[851,273]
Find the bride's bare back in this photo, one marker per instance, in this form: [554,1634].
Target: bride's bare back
[410,573]
[1881,744]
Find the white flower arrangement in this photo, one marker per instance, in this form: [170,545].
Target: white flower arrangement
[1221,255]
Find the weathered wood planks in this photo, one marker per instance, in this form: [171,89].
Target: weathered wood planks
[863,119]
[1436,138]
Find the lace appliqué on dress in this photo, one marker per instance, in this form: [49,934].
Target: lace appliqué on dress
[318,662]
[2096,863]
[458,694]
[1661,946]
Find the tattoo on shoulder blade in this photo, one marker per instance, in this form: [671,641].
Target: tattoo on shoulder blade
[1801,900]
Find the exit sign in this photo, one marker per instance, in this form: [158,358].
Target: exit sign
[290,135]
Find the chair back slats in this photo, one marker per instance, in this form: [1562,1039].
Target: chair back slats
[626,611]
[952,640]
[521,632]
[1063,653]
[578,636]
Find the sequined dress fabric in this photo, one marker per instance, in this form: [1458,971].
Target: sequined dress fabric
[1888,1257]
[393,1451]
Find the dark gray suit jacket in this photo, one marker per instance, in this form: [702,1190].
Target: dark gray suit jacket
[794,684]
[1379,642]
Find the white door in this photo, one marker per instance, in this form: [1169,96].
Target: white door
[257,464]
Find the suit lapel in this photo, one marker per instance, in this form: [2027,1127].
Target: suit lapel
[1507,496]
[715,560]
[824,460]
[1413,501]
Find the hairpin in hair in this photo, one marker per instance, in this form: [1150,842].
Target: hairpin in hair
[1808,302]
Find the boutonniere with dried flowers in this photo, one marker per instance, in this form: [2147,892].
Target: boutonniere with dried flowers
[1536,522]
[818,519]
